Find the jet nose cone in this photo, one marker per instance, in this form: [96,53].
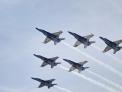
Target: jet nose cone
[101,38]
[70,32]
[64,59]
[36,28]
[32,78]
[34,54]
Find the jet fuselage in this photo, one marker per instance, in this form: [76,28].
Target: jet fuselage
[77,66]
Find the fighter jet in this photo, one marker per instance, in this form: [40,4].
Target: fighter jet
[51,36]
[82,39]
[79,66]
[48,61]
[112,45]
[43,83]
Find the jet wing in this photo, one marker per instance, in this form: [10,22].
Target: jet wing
[89,36]
[118,42]
[82,63]
[41,85]
[58,33]
[107,49]
[54,58]
[44,64]
[47,40]
[72,68]
[77,43]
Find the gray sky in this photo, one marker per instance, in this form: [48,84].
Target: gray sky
[19,41]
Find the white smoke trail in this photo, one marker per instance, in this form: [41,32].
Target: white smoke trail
[63,89]
[96,60]
[108,54]
[92,81]
[108,81]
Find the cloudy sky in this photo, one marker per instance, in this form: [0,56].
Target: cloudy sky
[19,41]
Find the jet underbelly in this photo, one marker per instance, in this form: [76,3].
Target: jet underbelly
[82,40]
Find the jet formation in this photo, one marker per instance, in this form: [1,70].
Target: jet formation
[85,40]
